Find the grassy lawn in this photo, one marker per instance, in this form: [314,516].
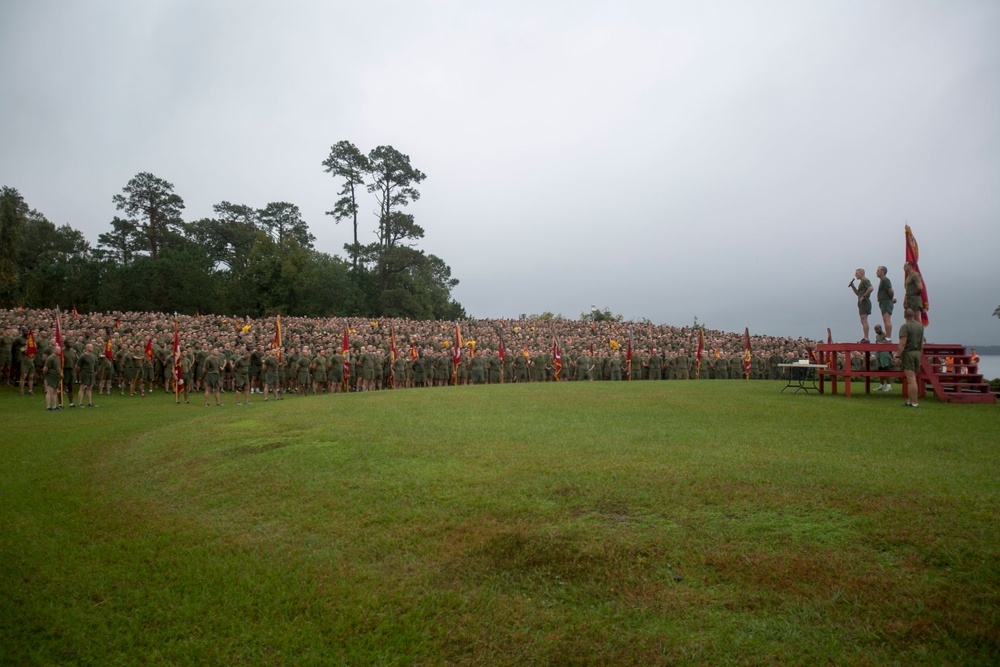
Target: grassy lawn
[710,522]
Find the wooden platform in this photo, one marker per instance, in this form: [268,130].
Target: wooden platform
[954,381]
[829,353]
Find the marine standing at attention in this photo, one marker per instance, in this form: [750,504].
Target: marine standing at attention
[911,342]
[885,297]
[914,286]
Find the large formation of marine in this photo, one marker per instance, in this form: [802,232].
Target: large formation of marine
[132,352]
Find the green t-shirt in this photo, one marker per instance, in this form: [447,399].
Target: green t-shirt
[863,288]
[884,286]
[913,332]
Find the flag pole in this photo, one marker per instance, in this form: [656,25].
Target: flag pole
[176,356]
[62,358]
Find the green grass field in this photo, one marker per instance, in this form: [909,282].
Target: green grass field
[574,523]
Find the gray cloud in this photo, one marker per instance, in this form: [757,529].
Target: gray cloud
[731,161]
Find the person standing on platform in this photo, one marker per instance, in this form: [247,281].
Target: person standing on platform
[883,360]
[885,297]
[911,343]
[914,286]
[863,292]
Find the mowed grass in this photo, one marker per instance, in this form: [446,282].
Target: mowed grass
[710,522]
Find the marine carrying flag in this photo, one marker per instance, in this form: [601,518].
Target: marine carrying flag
[502,352]
[59,340]
[30,346]
[698,355]
[62,358]
[178,373]
[746,353]
[276,343]
[393,353]
[345,350]
[109,352]
[556,359]
[456,355]
[628,354]
[912,255]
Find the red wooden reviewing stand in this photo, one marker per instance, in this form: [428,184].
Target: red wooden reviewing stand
[947,368]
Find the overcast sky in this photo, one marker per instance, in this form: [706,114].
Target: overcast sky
[730,161]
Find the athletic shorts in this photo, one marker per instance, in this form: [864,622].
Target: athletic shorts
[885,306]
[865,307]
[911,361]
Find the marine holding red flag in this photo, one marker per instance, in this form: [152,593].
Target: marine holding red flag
[916,288]
[699,354]
[345,350]
[502,352]
[556,359]
[62,357]
[178,370]
[394,354]
[456,355]
[30,346]
[746,353]
[628,354]
[276,343]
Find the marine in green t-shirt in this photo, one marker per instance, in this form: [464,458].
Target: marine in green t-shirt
[863,291]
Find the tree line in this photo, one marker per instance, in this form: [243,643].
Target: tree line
[243,260]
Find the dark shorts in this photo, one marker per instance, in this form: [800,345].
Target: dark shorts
[212,380]
[911,361]
[915,303]
[865,307]
[885,306]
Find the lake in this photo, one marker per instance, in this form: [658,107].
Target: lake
[989,366]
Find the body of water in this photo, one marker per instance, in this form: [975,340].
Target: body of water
[989,366]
